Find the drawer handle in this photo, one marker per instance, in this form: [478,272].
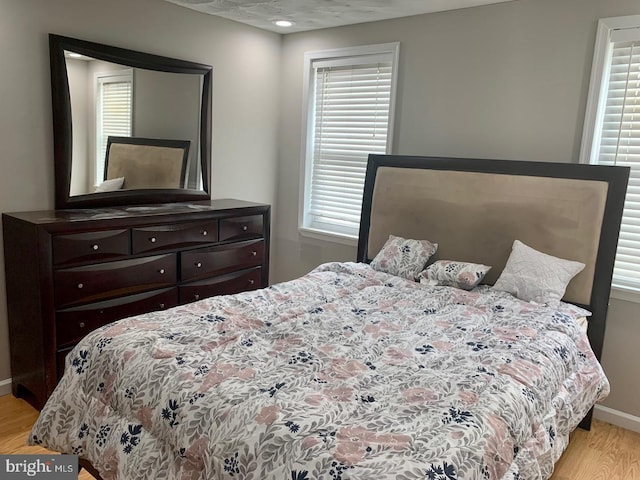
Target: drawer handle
[204,232]
[244,228]
[94,246]
[161,271]
[251,281]
[81,325]
[81,285]
[152,239]
[198,264]
[254,253]
[196,296]
[161,305]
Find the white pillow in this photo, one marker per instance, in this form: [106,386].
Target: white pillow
[534,276]
[110,185]
[403,257]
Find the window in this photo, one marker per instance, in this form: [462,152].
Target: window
[612,133]
[113,112]
[350,104]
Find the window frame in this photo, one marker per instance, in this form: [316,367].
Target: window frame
[101,78]
[343,55]
[595,109]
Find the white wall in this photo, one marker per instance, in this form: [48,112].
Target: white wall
[505,81]
[246,76]
[80,96]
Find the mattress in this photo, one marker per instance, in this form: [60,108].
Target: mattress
[345,373]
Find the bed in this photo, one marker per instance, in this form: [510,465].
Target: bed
[356,372]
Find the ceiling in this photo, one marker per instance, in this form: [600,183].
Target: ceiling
[315,14]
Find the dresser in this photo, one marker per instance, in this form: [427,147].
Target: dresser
[71,271]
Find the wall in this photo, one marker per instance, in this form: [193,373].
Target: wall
[78,78]
[159,112]
[503,81]
[245,64]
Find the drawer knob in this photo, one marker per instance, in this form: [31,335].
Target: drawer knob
[244,228]
[251,281]
[161,305]
[81,325]
[161,271]
[196,296]
[152,239]
[81,285]
[94,246]
[198,264]
[204,232]
[254,253]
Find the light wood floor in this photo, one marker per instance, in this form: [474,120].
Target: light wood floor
[604,453]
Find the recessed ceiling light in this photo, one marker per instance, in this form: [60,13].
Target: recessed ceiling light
[283,23]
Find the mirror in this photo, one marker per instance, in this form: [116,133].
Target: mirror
[157,110]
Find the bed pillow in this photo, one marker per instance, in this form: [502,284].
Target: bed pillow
[403,257]
[110,185]
[449,273]
[534,276]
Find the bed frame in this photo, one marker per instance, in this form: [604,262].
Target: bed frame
[474,209]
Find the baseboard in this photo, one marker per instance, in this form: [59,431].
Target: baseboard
[5,387]
[617,418]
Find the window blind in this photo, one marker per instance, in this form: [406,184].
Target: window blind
[619,144]
[114,115]
[350,120]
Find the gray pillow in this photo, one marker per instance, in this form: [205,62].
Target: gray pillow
[464,275]
[403,257]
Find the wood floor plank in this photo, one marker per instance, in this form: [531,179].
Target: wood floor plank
[606,452]
[16,419]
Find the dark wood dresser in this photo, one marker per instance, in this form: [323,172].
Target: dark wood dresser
[71,271]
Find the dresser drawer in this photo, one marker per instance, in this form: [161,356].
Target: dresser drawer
[222,285]
[113,279]
[90,246]
[241,228]
[177,235]
[74,323]
[206,262]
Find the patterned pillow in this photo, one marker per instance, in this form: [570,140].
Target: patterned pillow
[448,273]
[403,257]
[534,276]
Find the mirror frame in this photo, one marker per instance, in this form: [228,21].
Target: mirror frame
[63,131]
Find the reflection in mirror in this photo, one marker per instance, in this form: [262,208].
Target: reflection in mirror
[109,99]
[103,94]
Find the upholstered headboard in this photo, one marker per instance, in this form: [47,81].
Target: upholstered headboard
[475,209]
[147,162]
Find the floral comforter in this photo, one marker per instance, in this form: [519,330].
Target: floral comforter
[345,373]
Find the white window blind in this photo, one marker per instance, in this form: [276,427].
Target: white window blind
[616,132]
[350,118]
[114,110]
[620,145]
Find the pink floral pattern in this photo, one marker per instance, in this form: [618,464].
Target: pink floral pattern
[403,257]
[345,373]
[448,273]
